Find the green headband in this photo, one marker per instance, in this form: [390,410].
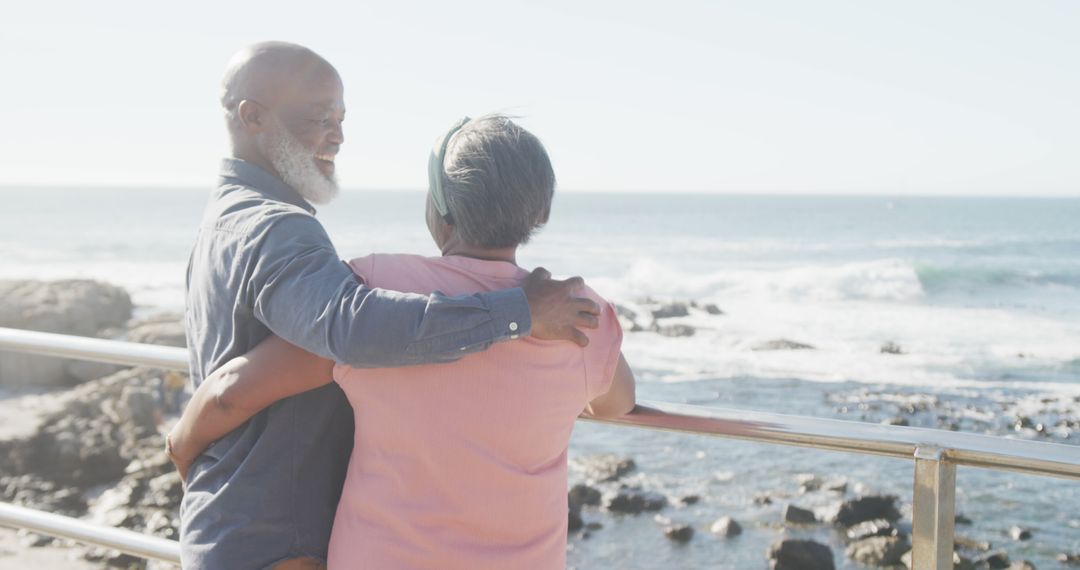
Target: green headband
[436,166]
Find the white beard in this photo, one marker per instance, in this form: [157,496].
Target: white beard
[296,165]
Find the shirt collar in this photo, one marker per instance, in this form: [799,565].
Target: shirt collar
[255,177]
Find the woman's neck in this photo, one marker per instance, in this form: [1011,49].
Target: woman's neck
[508,254]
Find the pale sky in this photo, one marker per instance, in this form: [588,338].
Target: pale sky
[789,96]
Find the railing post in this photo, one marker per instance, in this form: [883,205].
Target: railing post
[934,510]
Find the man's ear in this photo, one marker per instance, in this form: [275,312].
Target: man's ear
[252,116]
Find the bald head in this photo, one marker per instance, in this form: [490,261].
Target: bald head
[285,107]
[271,73]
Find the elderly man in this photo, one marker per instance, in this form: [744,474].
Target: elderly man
[265,495]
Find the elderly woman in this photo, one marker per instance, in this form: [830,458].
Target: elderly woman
[457,465]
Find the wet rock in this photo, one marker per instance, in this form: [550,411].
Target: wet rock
[867,508]
[782,344]
[762,499]
[870,529]
[582,494]
[726,527]
[808,482]
[689,499]
[671,310]
[797,515]
[897,421]
[575,522]
[792,554]
[712,309]
[1070,559]
[998,560]
[75,307]
[891,348]
[605,468]
[29,539]
[679,532]
[675,331]
[1019,533]
[633,501]
[878,550]
[962,519]
[594,526]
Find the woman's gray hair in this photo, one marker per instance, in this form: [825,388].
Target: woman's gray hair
[498,182]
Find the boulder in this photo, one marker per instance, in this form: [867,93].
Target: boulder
[878,550]
[1022,565]
[867,508]
[891,348]
[782,344]
[633,501]
[726,527]
[582,494]
[75,307]
[797,515]
[792,554]
[689,499]
[1069,558]
[575,522]
[997,560]
[679,532]
[713,309]
[671,310]
[1019,533]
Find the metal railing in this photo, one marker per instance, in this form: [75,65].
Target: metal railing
[936,453]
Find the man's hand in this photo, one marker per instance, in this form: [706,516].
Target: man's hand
[557,312]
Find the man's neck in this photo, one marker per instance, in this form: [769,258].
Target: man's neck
[507,254]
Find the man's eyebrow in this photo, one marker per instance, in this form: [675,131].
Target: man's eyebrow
[331,107]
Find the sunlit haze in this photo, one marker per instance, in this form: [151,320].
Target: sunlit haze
[964,97]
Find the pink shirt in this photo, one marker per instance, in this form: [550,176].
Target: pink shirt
[463,465]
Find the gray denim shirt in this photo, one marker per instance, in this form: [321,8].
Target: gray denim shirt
[262,263]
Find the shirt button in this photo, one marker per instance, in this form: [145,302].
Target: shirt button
[513,326]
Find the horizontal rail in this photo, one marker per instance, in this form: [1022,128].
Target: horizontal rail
[974,450]
[127,541]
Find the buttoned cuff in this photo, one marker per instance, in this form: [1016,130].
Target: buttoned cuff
[510,317]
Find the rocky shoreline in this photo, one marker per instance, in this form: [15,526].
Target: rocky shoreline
[85,440]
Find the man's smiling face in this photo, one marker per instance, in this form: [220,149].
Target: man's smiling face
[305,135]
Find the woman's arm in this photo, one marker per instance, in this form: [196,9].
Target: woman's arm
[241,388]
[620,398]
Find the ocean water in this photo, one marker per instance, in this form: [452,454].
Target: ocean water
[981,294]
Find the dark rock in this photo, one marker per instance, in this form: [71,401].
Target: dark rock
[792,554]
[575,522]
[713,309]
[762,499]
[782,344]
[868,508]
[897,421]
[605,468]
[632,501]
[891,348]
[726,527]
[869,529]
[679,532]
[671,310]
[676,331]
[1018,533]
[690,499]
[796,515]
[878,550]
[582,494]
[29,539]
[998,560]
[594,526]
[962,519]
